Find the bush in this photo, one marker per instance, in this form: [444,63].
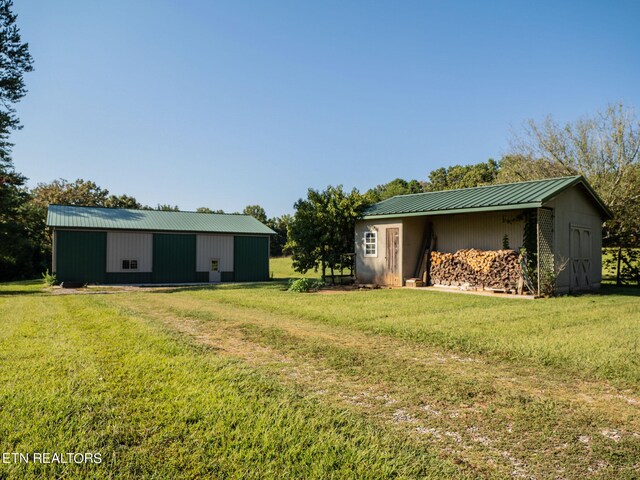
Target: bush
[49,278]
[303,285]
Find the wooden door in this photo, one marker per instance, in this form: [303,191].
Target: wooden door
[580,258]
[393,254]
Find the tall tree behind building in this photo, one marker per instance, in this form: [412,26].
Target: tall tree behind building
[605,149]
[17,254]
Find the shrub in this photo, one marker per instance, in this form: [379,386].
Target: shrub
[49,278]
[303,285]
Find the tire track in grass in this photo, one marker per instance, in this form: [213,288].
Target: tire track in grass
[497,418]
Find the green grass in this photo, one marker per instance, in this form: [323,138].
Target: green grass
[252,381]
[79,376]
[281,268]
[592,335]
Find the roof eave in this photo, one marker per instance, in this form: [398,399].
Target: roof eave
[157,230]
[520,206]
[607,213]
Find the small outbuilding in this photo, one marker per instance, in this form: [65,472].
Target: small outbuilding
[125,246]
[558,221]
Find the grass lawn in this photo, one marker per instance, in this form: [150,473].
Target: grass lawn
[251,381]
[281,268]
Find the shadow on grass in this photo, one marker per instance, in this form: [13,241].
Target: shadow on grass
[20,292]
[24,287]
[626,290]
[279,283]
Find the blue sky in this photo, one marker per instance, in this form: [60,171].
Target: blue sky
[225,104]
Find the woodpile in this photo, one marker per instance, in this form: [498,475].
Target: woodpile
[489,269]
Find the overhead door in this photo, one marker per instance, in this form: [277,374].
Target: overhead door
[174,258]
[251,259]
[81,256]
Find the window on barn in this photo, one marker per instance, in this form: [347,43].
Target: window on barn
[371,244]
[129,264]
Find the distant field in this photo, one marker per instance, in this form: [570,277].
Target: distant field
[251,381]
[281,268]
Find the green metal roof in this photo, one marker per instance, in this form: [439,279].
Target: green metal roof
[506,196]
[96,218]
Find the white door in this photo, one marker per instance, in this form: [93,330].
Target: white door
[214,270]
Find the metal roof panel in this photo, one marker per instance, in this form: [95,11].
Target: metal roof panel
[501,196]
[66,216]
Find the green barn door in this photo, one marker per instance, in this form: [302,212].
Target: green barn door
[81,256]
[250,259]
[174,258]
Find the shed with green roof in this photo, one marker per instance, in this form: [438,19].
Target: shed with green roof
[125,246]
[557,221]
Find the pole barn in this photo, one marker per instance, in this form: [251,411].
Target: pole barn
[124,246]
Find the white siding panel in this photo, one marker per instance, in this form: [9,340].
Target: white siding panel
[129,246]
[214,246]
[483,231]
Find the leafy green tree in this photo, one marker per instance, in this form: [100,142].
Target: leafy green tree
[463,176]
[16,242]
[208,210]
[393,188]
[604,148]
[279,240]
[122,201]
[321,230]
[165,207]
[257,212]
[62,192]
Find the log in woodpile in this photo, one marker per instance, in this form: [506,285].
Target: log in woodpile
[492,269]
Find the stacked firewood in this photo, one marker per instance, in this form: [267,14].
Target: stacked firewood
[494,269]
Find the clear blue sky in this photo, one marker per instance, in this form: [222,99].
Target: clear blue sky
[224,104]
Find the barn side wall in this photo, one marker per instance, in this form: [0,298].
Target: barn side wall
[484,230]
[129,246]
[214,246]
[371,270]
[574,206]
[92,256]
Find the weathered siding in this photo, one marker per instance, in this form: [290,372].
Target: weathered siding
[129,246]
[373,269]
[81,256]
[483,231]
[250,259]
[573,206]
[174,258]
[214,246]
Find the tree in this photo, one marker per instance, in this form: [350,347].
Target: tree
[463,176]
[321,231]
[16,243]
[604,148]
[62,192]
[165,207]
[208,210]
[393,188]
[257,212]
[279,240]
[122,201]
[15,62]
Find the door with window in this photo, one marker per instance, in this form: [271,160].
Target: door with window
[214,270]
[581,260]
[393,254]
